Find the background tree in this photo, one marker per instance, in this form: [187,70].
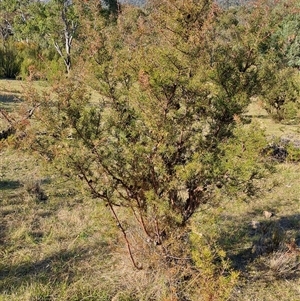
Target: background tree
[278,57]
[49,24]
[62,25]
[28,22]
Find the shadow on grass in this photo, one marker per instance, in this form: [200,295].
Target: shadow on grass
[246,242]
[57,268]
[9,98]
[250,116]
[2,231]
[9,184]
[9,101]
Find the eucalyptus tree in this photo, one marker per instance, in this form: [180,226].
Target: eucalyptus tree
[51,23]
[61,28]
[42,24]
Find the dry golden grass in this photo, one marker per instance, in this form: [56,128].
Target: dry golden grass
[55,248]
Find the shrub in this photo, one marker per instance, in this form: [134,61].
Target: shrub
[10,60]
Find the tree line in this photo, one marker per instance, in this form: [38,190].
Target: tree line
[40,39]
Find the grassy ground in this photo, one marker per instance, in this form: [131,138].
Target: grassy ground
[56,244]
[52,242]
[266,249]
[274,129]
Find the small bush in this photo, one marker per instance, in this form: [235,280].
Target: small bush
[283,264]
[35,190]
[216,279]
[290,112]
[282,99]
[270,236]
[293,150]
[10,61]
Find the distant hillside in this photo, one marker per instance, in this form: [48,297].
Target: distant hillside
[224,3]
